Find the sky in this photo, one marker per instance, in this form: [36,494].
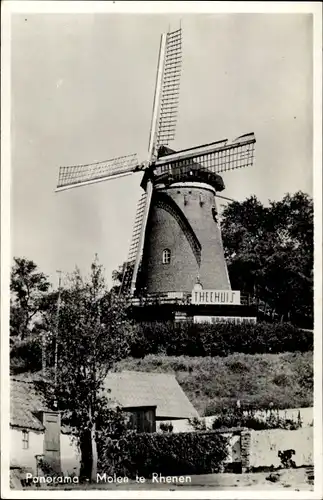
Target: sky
[82,89]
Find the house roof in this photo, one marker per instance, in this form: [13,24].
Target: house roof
[134,389]
[128,389]
[25,403]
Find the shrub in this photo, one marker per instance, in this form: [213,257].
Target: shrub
[166,427]
[26,355]
[247,418]
[46,467]
[219,340]
[281,379]
[166,454]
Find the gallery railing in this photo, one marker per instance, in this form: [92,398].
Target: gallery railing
[185,298]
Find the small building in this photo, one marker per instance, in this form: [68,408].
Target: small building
[151,398]
[36,433]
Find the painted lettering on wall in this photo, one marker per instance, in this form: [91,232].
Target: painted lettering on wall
[237,320]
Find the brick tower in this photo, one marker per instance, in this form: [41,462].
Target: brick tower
[183,242]
[182,247]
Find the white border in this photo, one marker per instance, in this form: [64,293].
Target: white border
[11,7]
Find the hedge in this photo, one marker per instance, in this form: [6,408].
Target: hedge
[166,454]
[191,339]
[233,418]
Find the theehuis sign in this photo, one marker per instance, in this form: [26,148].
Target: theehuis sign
[223,297]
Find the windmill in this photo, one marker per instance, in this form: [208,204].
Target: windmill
[176,239]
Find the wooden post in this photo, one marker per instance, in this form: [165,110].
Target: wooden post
[43,354]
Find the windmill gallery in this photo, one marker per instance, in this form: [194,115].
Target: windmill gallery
[176,268]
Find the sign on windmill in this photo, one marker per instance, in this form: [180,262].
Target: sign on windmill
[176,236]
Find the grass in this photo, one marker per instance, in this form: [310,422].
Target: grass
[285,379]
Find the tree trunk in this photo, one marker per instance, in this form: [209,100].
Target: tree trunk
[93,448]
[86,455]
[94,454]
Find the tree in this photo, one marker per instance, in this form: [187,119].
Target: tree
[28,286]
[117,277]
[269,251]
[92,334]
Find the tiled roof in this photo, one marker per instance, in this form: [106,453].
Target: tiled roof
[128,388]
[133,388]
[25,403]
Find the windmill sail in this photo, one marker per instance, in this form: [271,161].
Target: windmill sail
[76,175]
[216,157]
[162,131]
[170,89]
[130,264]
[130,271]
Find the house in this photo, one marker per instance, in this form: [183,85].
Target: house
[36,432]
[151,398]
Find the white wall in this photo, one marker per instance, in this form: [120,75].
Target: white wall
[264,446]
[70,455]
[26,458]
[181,425]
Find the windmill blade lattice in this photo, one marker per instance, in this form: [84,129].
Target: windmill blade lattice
[75,175]
[170,89]
[164,119]
[133,250]
[137,226]
[215,157]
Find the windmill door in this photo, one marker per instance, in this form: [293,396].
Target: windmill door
[52,448]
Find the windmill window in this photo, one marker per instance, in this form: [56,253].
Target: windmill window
[166,256]
[25,440]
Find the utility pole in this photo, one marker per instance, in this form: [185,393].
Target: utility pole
[56,331]
[43,354]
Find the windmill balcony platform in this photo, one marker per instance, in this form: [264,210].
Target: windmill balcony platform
[178,298]
[167,306]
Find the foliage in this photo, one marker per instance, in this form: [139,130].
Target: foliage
[46,467]
[197,424]
[111,424]
[26,355]
[117,277]
[286,458]
[92,334]
[213,383]
[234,417]
[188,339]
[27,287]
[166,454]
[269,251]
[166,427]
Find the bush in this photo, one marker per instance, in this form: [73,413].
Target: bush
[26,355]
[191,339]
[166,454]
[242,418]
